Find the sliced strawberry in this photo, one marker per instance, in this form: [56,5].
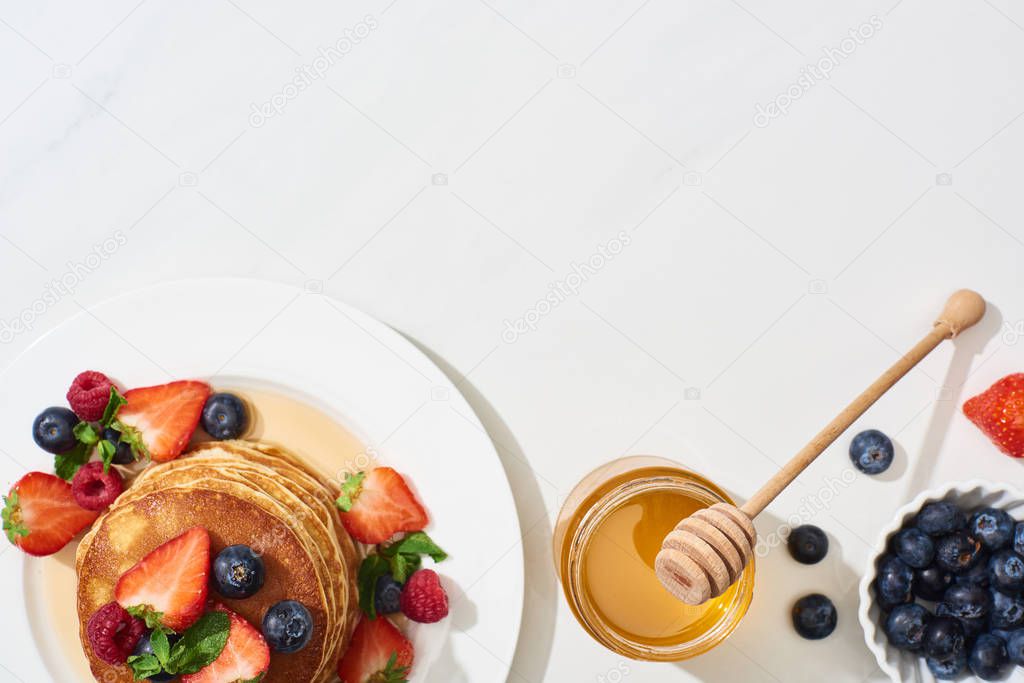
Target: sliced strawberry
[378,652]
[999,413]
[170,581]
[378,504]
[40,514]
[245,657]
[164,417]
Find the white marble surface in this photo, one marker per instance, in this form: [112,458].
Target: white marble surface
[462,158]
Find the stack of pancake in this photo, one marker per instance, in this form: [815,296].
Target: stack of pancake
[242,493]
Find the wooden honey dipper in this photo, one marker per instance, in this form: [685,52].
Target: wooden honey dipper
[707,551]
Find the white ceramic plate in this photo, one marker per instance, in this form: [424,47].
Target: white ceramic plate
[357,369]
[907,667]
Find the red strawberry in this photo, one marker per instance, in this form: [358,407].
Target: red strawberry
[41,516]
[165,416]
[377,505]
[423,598]
[245,656]
[999,413]
[171,580]
[378,652]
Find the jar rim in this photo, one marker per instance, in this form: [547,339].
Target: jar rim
[590,618]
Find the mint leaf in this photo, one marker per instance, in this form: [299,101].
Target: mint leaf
[133,437]
[113,405]
[259,677]
[11,517]
[417,543]
[200,644]
[107,451]
[144,666]
[66,464]
[350,491]
[403,566]
[372,568]
[148,615]
[85,433]
[161,646]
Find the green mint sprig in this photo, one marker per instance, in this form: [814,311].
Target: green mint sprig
[401,559]
[199,646]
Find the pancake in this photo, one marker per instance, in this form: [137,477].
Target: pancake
[127,534]
[255,494]
[331,568]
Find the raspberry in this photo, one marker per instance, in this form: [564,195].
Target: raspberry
[89,395]
[113,633]
[423,599]
[95,489]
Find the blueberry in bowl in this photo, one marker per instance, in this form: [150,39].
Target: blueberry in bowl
[963,602]
[906,625]
[1006,569]
[993,527]
[914,547]
[957,552]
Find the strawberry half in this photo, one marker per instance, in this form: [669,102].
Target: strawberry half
[245,657]
[378,504]
[999,413]
[40,514]
[164,416]
[378,652]
[170,581]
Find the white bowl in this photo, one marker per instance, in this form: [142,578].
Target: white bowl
[908,667]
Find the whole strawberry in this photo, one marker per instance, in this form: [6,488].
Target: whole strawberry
[999,413]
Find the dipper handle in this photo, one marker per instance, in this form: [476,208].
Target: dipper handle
[963,309]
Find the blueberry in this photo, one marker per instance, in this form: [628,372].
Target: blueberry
[972,627]
[1007,611]
[957,552]
[943,638]
[994,528]
[145,648]
[931,583]
[978,574]
[808,544]
[288,626]
[1018,538]
[967,601]
[225,416]
[1015,647]
[988,657]
[871,452]
[386,595]
[1007,571]
[914,547]
[54,430]
[941,518]
[905,626]
[238,572]
[814,616]
[123,455]
[893,582]
[948,669]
